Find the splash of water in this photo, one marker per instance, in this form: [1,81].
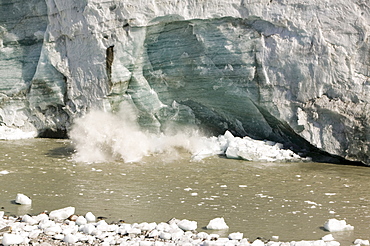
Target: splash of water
[102,137]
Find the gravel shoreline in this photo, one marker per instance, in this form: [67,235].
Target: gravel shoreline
[64,227]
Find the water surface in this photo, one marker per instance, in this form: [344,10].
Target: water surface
[290,200]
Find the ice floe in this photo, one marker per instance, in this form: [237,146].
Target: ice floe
[334,225]
[23,199]
[245,148]
[217,224]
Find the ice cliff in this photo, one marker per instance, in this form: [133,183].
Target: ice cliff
[289,71]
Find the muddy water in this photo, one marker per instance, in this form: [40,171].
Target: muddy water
[290,200]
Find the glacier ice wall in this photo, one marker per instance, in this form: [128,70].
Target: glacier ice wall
[289,71]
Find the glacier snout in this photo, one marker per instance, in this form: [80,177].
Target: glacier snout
[292,72]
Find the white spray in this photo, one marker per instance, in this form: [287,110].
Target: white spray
[101,136]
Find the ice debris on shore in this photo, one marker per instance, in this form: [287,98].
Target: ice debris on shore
[75,229]
[334,225]
[23,199]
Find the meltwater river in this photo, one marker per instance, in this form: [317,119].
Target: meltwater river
[289,200]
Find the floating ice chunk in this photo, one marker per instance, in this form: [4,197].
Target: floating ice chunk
[361,242]
[23,199]
[275,238]
[236,236]
[4,172]
[61,214]
[187,225]
[217,224]
[328,237]
[9,239]
[334,225]
[255,150]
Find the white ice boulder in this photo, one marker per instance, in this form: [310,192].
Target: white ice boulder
[23,199]
[187,225]
[70,238]
[361,242]
[217,224]
[165,235]
[258,242]
[34,234]
[327,238]
[90,217]
[334,225]
[9,239]
[52,230]
[81,220]
[153,233]
[202,235]
[61,214]
[88,229]
[236,236]
[41,217]
[29,220]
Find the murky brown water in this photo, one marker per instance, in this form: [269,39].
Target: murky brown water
[291,200]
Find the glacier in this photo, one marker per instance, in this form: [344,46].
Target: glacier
[288,71]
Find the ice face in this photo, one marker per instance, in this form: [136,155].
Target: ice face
[289,72]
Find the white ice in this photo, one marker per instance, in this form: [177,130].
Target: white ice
[101,136]
[11,133]
[10,239]
[62,214]
[23,199]
[102,233]
[334,225]
[217,224]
